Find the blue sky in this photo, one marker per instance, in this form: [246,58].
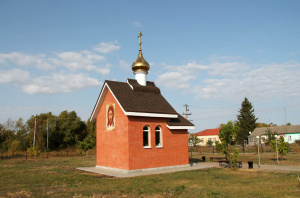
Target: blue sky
[55,55]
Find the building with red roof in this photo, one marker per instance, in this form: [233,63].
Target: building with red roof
[208,134]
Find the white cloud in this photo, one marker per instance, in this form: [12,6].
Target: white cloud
[180,76]
[178,80]
[107,47]
[189,67]
[59,83]
[227,68]
[124,65]
[74,61]
[84,60]
[14,76]
[137,24]
[20,59]
[234,80]
[263,82]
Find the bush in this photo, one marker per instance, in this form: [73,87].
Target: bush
[34,151]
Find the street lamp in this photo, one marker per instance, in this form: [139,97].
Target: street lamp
[258,152]
[245,143]
[276,149]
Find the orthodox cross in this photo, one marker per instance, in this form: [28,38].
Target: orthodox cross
[140,41]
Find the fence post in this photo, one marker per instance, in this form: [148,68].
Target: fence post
[26,154]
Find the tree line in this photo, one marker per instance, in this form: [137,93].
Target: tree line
[48,132]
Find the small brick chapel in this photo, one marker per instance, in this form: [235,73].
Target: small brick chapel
[136,128]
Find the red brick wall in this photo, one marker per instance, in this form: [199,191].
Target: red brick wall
[174,149]
[123,147]
[112,146]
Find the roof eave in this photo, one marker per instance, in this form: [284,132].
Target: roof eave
[180,127]
[156,115]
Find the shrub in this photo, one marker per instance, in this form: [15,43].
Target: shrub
[34,151]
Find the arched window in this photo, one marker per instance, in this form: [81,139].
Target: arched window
[146,137]
[158,138]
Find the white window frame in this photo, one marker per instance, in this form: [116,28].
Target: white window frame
[158,130]
[149,137]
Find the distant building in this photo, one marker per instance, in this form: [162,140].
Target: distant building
[208,134]
[137,129]
[291,133]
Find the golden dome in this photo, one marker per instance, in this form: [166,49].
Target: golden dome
[140,64]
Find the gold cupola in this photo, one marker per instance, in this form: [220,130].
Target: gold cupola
[140,64]
[140,67]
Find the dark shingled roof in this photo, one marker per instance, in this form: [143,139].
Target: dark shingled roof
[145,99]
[180,121]
[134,97]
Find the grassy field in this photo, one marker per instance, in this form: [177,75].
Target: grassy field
[58,177]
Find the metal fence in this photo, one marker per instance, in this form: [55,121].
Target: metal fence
[295,148]
[51,154]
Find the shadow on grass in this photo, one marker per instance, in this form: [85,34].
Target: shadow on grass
[274,159]
[193,160]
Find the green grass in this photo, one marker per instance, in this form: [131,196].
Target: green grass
[58,177]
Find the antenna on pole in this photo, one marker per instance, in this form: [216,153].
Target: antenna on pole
[186,112]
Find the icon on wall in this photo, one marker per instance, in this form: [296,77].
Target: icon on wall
[110,117]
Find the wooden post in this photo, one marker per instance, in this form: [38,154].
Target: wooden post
[34,131]
[47,135]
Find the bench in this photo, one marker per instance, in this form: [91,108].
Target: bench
[217,158]
[226,163]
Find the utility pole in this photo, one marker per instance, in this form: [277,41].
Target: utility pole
[34,131]
[47,131]
[284,115]
[186,111]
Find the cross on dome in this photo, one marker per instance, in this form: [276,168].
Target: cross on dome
[140,67]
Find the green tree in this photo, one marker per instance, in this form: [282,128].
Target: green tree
[247,121]
[271,136]
[209,143]
[41,124]
[91,127]
[282,146]
[194,140]
[227,135]
[15,146]
[22,134]
[1,134]
[7,135]
[218,146]
[72,128]
[88,143]
[260,124]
